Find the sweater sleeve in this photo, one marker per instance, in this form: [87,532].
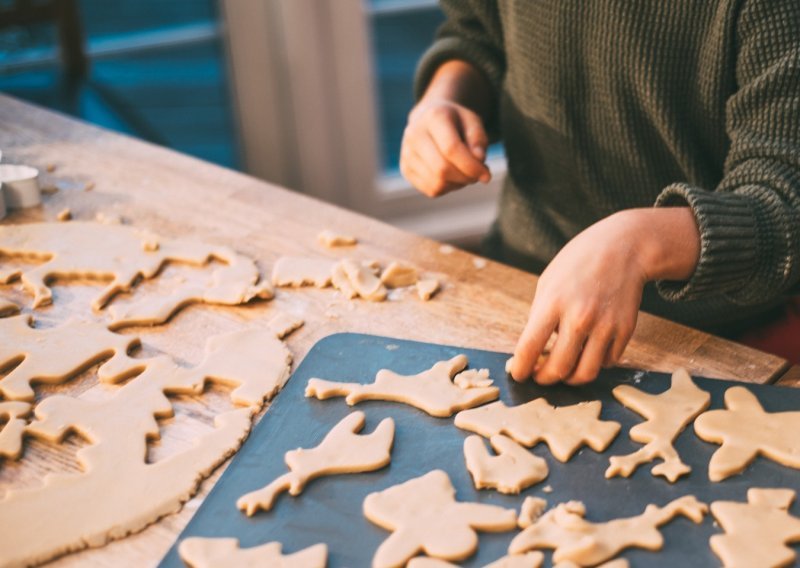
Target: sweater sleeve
[472,32]
[750,224]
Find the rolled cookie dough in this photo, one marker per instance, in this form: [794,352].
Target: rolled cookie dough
[667,415]
[136,493]
[199,552]
[299,271]
[8,308]
[122,255]
[11,433]
[745,431]
[575,539]
[564,429]
[431,391]
[513,468]
[54,355]
[343,450]
[425,518]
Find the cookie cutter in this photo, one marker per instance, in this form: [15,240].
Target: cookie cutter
[20,184]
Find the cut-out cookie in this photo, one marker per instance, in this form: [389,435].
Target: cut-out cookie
[533,559]
[425,518]
[532,508]
[473,378]
[513,468]
[299,271]
[757,532]
[122,255]
[427,288]
[11,432]
[564,429]
[745,431]
[54,355]
[329,239]
[667,415]
[431,391]
[528,560]
[398,275]
[428,562]
[198,552]
[575,539]
[616,563]
[343,450]
[118,430]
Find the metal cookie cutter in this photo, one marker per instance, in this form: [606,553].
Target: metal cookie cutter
[20,184]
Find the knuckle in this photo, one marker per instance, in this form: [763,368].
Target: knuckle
[559,369]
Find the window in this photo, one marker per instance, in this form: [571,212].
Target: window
[153,69]
[323,88]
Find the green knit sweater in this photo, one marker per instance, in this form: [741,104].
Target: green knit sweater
[606,105]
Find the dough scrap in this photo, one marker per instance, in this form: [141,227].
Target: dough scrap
[14,429]
[362,281]
[427,288]
[431,391]
[54,355]
[123,255]
[199,552]
[329,239]
[473,378]
[745,431]
[118,430]
[399,275]
[532,508]
[667,415]
[575,539]
[513,468]
[425,517]
[64,215]
[343,450]
[564,429]
[757,532]
[299,271]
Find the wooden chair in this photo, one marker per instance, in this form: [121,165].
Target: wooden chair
[64,14]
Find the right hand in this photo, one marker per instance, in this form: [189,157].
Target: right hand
[444,148]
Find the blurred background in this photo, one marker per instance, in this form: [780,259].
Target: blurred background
[310,94]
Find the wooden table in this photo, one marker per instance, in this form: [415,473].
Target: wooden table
[178,196]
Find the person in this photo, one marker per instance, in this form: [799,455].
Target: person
[653,153]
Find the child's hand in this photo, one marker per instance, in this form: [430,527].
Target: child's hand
[444,147]
[591,291]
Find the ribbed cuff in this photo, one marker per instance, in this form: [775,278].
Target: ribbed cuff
[728,224]
[449,48]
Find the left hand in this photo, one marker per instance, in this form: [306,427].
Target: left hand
[591,291]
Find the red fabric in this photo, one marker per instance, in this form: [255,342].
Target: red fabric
[780,337]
